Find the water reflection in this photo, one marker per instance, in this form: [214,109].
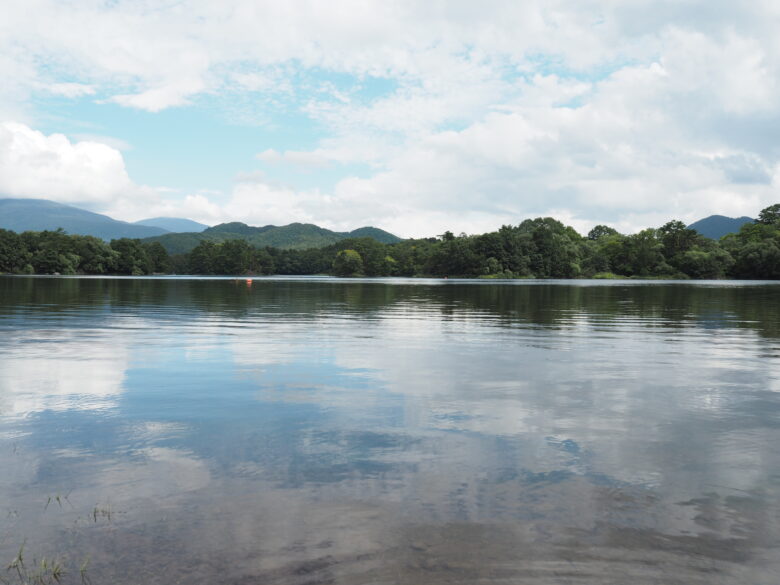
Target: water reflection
[51,372]
[316,431]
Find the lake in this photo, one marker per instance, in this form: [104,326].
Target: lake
[313,430]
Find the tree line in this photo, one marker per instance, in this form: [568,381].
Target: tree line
[55,252]
[536,248]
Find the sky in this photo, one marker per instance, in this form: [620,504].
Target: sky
[416,117]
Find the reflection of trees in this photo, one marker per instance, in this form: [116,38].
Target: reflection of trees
[555,305]
[659,305]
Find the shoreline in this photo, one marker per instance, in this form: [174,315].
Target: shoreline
[333,278]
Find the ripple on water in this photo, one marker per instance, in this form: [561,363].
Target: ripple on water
[398,431]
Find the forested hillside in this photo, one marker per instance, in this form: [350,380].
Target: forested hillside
[295,236]
[536,248]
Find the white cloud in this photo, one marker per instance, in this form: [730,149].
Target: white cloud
[71,90]
[259,203]
[87,173]
[196,206]
[58,382]
[35,165]
[159,98]
[600,111]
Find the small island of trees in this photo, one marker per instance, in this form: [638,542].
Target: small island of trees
[536,248]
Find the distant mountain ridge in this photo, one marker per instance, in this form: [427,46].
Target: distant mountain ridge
[179,235]
[717,226]
[295,236]
[22,215]
[173,224]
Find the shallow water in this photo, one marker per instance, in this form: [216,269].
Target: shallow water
[310,430]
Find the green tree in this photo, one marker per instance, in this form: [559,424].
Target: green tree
[699,263]
[517,247]
[232,257]
[594,257]
[202,258]
[132,258]
[644,255]
[372,253]
[759,260]
[348,263]
[13,252]
[159,260]
[615,250]
[601,231]
[770,215]
[180,263]
[492,266]
[391,266]
[454,257]
[556,253]
[676,238]
[51,252]
[95,256]
[262,262]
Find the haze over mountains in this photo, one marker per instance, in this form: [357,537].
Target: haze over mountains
[173,224]
[177,235]
[22,215]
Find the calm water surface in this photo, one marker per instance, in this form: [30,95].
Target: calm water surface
[308,431]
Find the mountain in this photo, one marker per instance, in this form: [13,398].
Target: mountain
[173,224]
[296,236]
[22,215]
[376,233]
[717,226]
[238,228]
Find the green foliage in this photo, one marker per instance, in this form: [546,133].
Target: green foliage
[13,252]
[159,261]
[132,257]
[756,248]
[202,259]
[676,238]
[262,262]
[758,260]
[645,254]
[770,215]
[233,257]
[348,263]
[296,236]
[50,252]
[753,232]
[95,256]
[601,231]
[699,263]
[541,248]
[454,257]
[556,253]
